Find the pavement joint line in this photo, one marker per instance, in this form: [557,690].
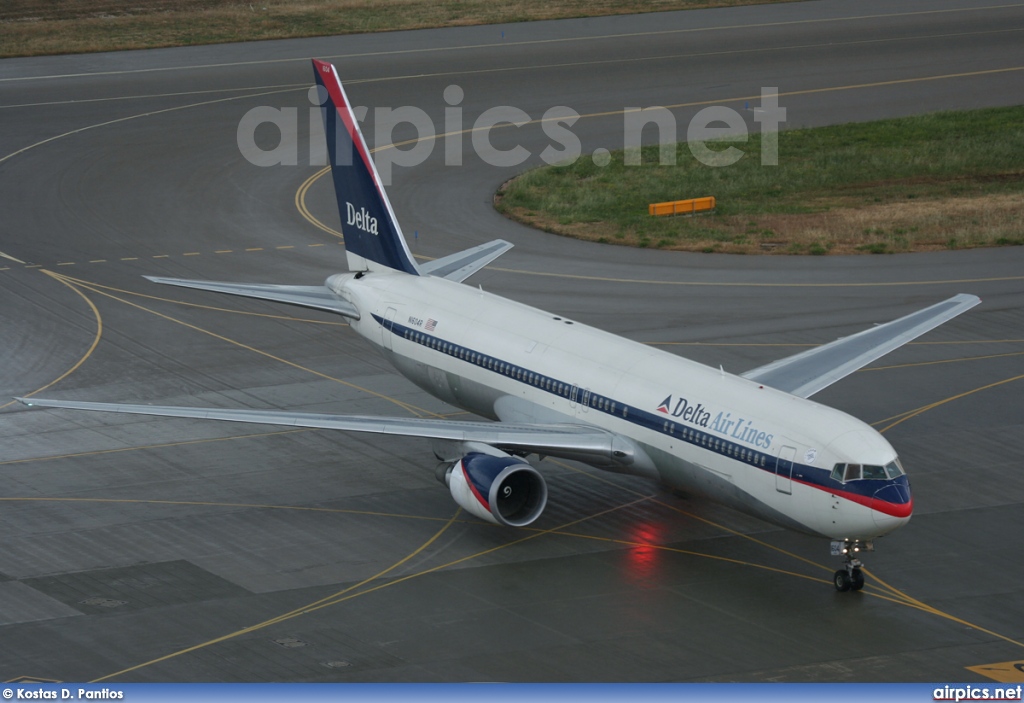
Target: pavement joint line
[70,263]
[669,57]
[290,318]
[912,602]
[531,42]
[413,410]
[611,279]
[357,590]
[303,189]
[140,115]
[155,96]
[95,342]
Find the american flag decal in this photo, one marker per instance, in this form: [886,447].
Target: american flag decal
[431,324]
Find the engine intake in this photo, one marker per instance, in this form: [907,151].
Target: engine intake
[503,490]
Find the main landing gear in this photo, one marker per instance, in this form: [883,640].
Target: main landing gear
[850,577]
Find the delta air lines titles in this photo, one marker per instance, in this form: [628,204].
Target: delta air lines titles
[723,423]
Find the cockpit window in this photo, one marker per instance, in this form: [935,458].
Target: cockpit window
[856,472]
[875,472]
[894,469]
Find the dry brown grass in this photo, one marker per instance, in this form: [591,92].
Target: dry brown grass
[950,223]
[35,27]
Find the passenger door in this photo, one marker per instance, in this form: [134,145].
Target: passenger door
[784,470]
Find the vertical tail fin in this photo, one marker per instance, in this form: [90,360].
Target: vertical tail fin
[373,239]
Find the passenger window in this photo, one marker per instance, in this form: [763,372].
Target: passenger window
[852,472]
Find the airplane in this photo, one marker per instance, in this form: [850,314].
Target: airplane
[553,386]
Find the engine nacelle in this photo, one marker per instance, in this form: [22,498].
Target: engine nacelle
[503,490]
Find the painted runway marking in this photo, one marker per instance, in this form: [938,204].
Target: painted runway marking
[290,86]
[283,247]
[1003,672]
[532,42]
[92,347]
[534,67]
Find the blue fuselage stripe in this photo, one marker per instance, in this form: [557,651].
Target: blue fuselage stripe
[814,476]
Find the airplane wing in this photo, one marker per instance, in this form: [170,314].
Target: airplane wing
[582,442]
[807,373]
[463,264]
[319,297]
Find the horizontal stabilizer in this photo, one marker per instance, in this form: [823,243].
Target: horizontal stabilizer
[461,265]
[807,373]
[318,297]
[573,441]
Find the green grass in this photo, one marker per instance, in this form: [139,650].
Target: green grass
[871,187]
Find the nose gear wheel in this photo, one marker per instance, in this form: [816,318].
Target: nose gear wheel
[850,577]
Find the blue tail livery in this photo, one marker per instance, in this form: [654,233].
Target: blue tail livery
[373,238]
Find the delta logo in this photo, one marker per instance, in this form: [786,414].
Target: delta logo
[695,414]
[360,219]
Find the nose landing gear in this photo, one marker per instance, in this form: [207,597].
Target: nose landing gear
[850,577]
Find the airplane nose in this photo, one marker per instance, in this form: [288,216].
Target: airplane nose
[892,506]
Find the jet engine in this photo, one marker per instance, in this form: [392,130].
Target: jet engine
[503,490]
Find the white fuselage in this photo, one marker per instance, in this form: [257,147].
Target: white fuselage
[702,430]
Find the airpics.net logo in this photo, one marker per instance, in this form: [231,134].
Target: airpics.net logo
[978,693]
[270,136]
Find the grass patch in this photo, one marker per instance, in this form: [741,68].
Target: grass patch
[35,27]
[949,180]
